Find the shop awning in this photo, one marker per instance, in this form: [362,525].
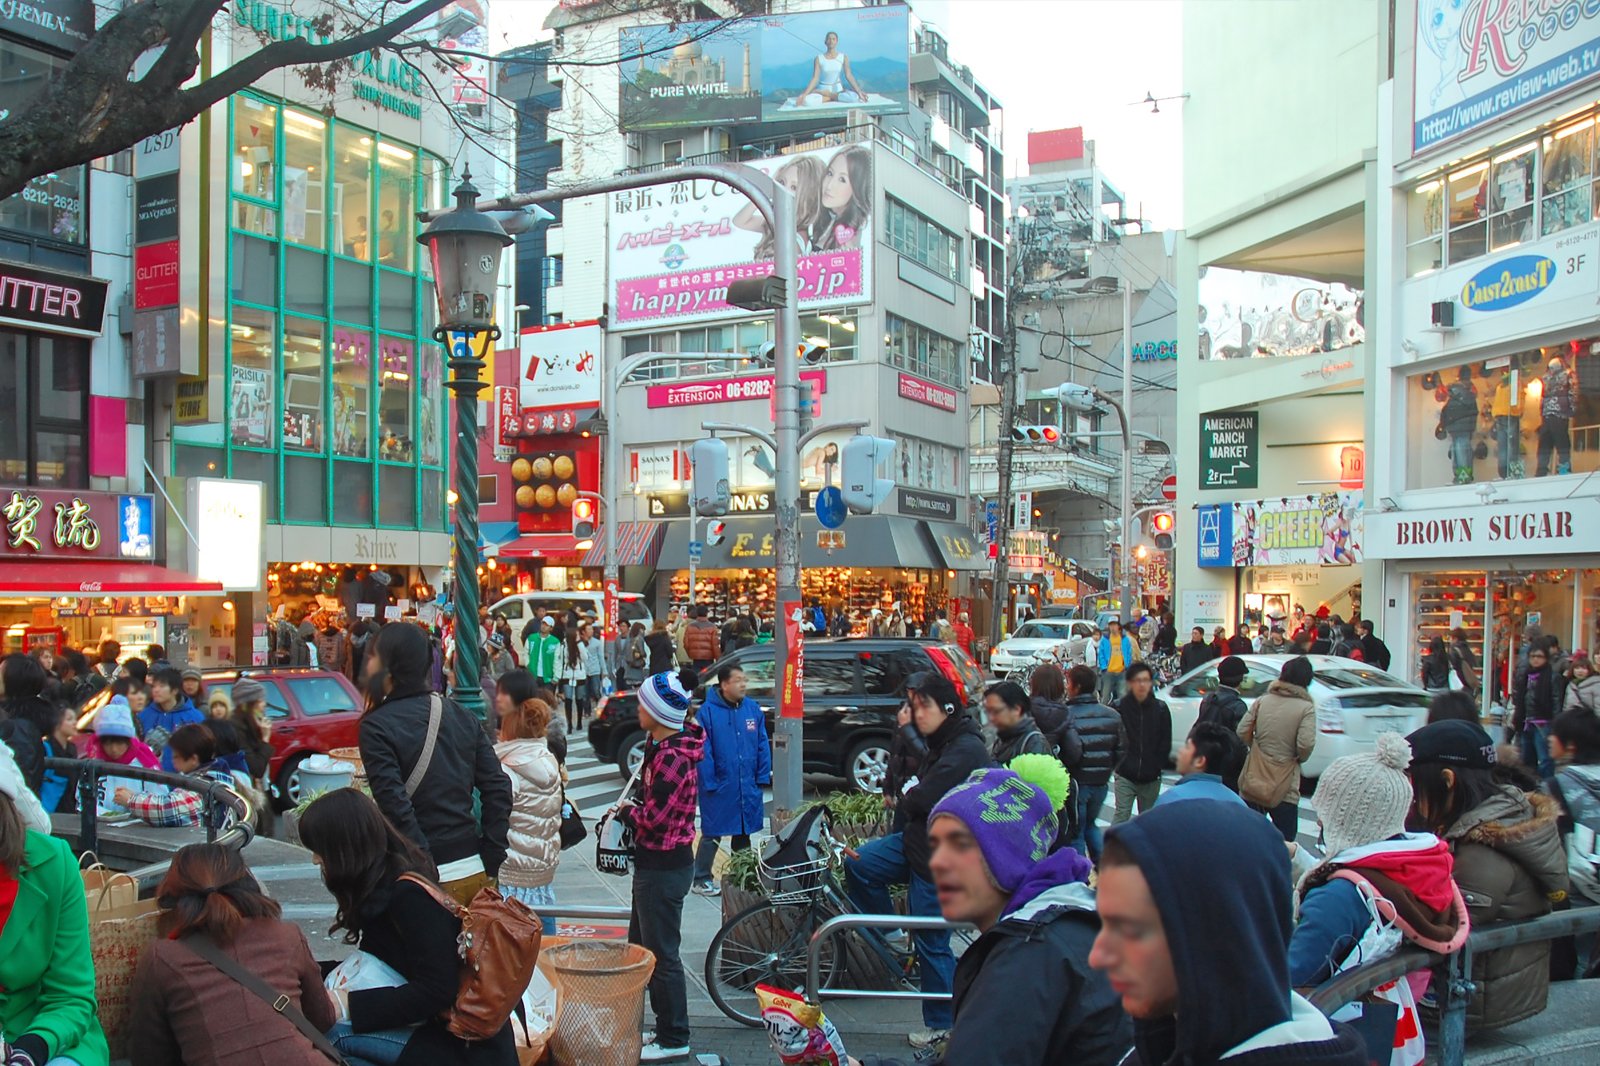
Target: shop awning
[496,533]
[958,546]
[539,546]
[638,544]
[100,577]
[869,540]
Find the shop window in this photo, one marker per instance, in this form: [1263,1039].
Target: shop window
[433,510]
[397,301]
[303,362]
[51,205]
[1530,414]
[352,494]
[352,392]
[435,195]
[254,270]
[1425,228]
[352,192]
[1567,199]
[1469,195]
[396,357]
[305,489]
[305,177]
[397,495]
[262,467]
[431,428]
[352,291]
[396,205]
[251,393]
[1511,197]
[255,165]
[305,282]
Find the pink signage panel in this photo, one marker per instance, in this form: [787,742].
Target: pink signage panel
[926,392]
[724,390]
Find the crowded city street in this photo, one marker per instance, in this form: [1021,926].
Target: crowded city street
[816,532]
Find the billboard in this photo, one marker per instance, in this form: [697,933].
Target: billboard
[1313,530]
[675,248]
[1479,61]
[816,64]
[560,366]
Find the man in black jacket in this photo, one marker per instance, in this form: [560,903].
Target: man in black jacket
[1225,705]
[955,749]
[436,814]
[1148,724]
[1195,653]
[1373,651]
[1100,732]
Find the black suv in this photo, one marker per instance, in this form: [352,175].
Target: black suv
[852,693]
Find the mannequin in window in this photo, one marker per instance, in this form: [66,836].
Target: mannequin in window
[1458,419]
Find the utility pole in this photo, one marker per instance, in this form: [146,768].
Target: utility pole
[1006,379]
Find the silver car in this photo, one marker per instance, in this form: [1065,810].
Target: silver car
[1035,637]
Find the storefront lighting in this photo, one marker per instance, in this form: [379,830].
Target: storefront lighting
[308,120]
[1578,127]
[398,153]
[373,567]
[848,327]
[65,601]
[105,601]
[366,142]
[227,605]
[451,497]
[493,565]
[950,573]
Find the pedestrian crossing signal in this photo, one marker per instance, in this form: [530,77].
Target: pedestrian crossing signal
[1162,526]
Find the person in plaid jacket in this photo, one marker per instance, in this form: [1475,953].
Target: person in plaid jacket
[193,753]
[661,812]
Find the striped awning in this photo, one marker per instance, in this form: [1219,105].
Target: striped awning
[638,544]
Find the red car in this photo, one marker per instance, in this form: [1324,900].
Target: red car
[311,711]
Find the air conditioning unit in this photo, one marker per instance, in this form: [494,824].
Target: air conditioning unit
[1443,316]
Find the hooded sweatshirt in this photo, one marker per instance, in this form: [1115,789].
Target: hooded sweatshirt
[1219,875]
[534,839]
[955,749]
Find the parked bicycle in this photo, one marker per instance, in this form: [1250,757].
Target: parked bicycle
[1056,655]
[766,943]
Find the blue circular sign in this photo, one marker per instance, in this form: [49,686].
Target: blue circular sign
[830,507]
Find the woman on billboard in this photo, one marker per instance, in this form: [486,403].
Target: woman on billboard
[802,176]
[829,76]
[846,200]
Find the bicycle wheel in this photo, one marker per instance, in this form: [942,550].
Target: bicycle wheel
[765,944]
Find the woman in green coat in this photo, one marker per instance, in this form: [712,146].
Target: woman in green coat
[47,1011]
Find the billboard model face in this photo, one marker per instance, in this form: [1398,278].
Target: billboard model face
[675,248]
[780,68]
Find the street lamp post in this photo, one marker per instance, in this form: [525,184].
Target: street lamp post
[1083,398]
[465,246]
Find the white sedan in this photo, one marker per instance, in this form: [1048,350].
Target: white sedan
[1355,702]
[1039,635]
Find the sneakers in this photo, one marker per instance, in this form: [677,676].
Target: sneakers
[654,1052]
[923,1038]
[706,888]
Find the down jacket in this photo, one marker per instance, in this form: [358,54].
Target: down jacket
[535,835]
[1103,737]
[1281,729]
[736,765]
[1509,864]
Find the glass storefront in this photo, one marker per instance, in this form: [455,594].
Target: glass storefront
[1533,413]
[334,386]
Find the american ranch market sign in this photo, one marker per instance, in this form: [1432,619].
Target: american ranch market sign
[383,81]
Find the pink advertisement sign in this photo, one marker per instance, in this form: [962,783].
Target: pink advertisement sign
[724,390]
[824,280]
[918,391]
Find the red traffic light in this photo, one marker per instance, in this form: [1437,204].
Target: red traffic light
[1052,435]
[582,509]
[1163,522]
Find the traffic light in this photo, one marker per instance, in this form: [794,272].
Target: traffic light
[813,352]
[1048,436]
[715,532]
[808,405]
[767,355]
[583,514]
[758,294]
[1162,526]
[858,472]
[709,458]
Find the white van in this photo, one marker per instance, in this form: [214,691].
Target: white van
[519,609]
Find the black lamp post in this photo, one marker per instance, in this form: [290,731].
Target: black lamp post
[465,246]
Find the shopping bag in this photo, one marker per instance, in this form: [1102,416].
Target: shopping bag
[105,886]
[118,935]
[359,971]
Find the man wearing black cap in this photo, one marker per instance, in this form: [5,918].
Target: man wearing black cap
[1225,705]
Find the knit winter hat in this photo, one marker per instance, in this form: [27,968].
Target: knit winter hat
[193,674]
[247,691]
[1296,671]
[115,719]
[1011,820]
[1579,658]
[665,698]
[1231,671]
[1362,799]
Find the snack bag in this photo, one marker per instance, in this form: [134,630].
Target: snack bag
[800,1033]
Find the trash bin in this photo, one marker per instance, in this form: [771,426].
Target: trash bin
[321,774]
[601,986]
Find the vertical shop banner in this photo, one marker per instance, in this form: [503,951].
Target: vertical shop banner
[506,420]
[792,694]
[560,366]
[611,607]
[675,249]
[1315,530]
[1230,450]
[1214,535]
[780,68]
[155,350]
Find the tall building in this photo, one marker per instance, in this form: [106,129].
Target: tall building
[895,158]
[1277,292]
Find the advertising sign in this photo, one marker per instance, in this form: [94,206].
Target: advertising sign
[926,392]
[35,298]
[676,248]
[63,24]
[724,390]
[227,522]
[1230,450]
[506,422]
[54,524]
[782,68]
[1477,62]
[1206,608]
[561,365]
[156,350]
[1559,528]
[155,275]
[1214,534]
[1312,530]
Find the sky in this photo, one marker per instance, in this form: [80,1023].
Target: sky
[1051,63]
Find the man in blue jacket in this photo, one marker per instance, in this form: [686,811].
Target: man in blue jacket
[736,764]
[1116,655]
[169,711]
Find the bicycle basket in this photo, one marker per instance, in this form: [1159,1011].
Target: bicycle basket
[794,864]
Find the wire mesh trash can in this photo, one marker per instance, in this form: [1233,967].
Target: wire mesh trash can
[601,986]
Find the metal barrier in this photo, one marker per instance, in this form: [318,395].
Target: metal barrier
[89,772]
[827,929]
[1351,985]
[591,914]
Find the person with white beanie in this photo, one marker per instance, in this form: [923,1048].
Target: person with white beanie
[1379,885]
[13,785]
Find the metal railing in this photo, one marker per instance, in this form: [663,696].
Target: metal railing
[212,793]
[826,931]
[1458,986]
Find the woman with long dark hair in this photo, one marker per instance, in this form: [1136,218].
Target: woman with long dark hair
[573,670]
[846,200]
[186,1010]
[1436,667]
[367,864]
[26,717]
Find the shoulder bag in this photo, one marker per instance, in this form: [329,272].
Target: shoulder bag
[203,946]
[419,771]
[613,845]
[573,831]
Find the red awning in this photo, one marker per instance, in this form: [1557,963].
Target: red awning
[638,544]
[539,546]
[100,577]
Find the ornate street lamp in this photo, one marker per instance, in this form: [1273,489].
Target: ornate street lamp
[465,246]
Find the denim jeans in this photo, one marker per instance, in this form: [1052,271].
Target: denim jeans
[1088,840]
[657,925]
[1461,456]
[379,1048]
[1508,442]
[537,899]
[706,854]
[879,864]
[1555,438]
[1112,686]
[1536,749]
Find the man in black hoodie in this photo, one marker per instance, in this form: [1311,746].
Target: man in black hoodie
[1195,653]
[1195,906]
[1373,651]
[1147,722]
[1101,740]
[1224,705]
[955,749]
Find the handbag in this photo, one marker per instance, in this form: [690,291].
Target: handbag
[613,846]
[202,946]
[573,831]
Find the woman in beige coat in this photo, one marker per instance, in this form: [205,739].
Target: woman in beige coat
[1281,729]
[534,840]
